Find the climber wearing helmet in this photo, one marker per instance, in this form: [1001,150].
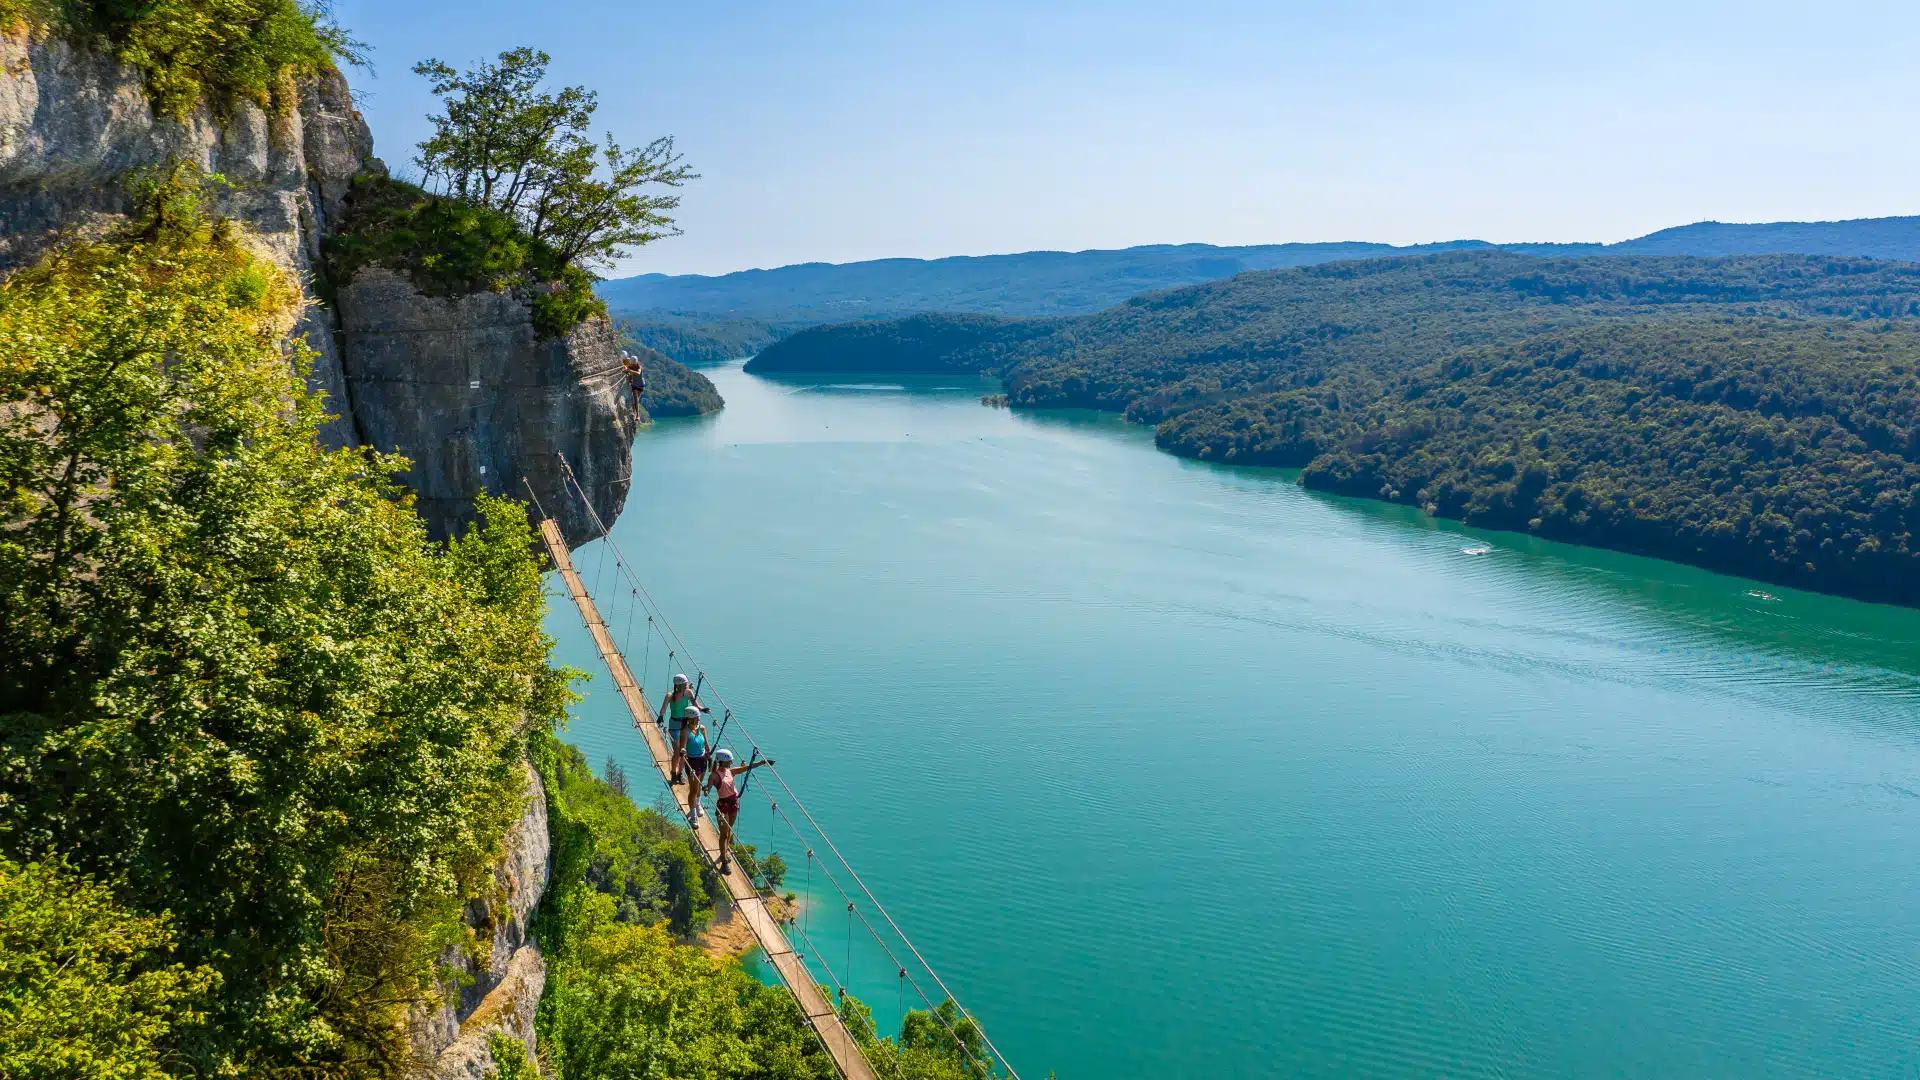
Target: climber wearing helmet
[721,783]
[682,707]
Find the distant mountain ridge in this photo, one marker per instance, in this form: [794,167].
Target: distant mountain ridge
[1072,283]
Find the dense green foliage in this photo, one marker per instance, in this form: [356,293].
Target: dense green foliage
[625,1000]
[698,342]
[238,684]
[673,389]
[452,247]
[1787,450]
[87,987]
[1056,283]
[639,858]
[1366,374]
[529,202]
[1165,353]
[217,51]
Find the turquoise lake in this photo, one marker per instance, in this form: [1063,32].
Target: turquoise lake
[1180,770]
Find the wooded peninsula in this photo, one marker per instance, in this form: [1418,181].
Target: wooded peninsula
[1754,414]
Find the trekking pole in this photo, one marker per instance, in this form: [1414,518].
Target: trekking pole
[749,778]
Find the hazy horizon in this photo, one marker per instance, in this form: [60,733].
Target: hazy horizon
[621,274]
[853,131]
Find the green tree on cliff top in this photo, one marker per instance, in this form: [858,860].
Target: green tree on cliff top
[502,142]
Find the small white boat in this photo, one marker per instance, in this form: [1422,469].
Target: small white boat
[1477,549]
[1758,595]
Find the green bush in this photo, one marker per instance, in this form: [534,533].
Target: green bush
[625,1000]
[87,987]
[450,247]
[218,51]
[640,858]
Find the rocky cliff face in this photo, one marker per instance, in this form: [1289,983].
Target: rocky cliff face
[467,389]
[74,124]
[464,387]
[498,991]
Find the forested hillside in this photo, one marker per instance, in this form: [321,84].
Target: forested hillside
[1163,353]
[697,342]
[924,344]
[1782,449]
[1299,368]
[1875,238]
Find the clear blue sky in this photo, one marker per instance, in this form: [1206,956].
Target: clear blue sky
[843,131]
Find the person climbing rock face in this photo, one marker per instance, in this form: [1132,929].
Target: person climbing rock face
[681,706]
[636,376]
[723,784]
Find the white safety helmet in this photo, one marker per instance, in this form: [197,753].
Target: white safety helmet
[680,680]
[723,756]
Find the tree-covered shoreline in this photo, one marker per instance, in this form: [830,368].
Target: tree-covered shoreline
[1753,415]
[1783,450]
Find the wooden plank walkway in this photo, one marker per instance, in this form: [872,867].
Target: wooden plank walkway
[813,1001]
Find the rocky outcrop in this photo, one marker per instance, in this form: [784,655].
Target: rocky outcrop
[496,988]
[75,124]
[464,387]
[471,393]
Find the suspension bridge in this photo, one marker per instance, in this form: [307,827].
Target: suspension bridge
[817,1003]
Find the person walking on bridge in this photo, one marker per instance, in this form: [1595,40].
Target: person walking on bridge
[682,705]
[722,783]
[696,760]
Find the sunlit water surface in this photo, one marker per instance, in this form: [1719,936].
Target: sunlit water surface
[1180,770]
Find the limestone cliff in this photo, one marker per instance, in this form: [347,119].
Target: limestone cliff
[467,389]
[464,387]
[74,124]
[495,989]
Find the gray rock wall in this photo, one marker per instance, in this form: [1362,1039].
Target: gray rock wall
[500,993]
[479,401]
[74,124]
